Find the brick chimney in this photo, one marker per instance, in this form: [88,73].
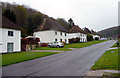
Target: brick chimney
[45,18]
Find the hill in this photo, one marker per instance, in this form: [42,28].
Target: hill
[110,32]
[27,18]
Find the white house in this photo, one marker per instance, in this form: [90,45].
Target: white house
[77,32]
[93,33]
[10,36]
[51,31]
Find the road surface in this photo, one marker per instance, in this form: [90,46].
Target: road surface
[71,63]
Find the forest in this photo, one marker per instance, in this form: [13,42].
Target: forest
[29,19]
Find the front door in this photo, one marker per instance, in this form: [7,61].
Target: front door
[10,47]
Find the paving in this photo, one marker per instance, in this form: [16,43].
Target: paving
[71,63]
[100,72]
[113,48]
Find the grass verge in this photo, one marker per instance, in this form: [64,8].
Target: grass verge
[13,58]
[74,45]
[115,45]
[50,48]
[111,75]
[109,60]
[85,44]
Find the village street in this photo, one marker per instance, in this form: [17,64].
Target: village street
[71,63]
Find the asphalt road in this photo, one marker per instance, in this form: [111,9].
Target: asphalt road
[71,63]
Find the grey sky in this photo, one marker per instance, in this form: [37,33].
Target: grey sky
[94,14]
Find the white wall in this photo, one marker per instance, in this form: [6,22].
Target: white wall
[96,36]
[83,37]
[16,39]
[50,36]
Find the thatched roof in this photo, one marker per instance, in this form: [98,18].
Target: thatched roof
[76,29]
[93,32]
[87,31]
[50,24]
[6,23]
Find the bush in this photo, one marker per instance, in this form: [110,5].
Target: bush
[74,40]
[63,42]
[96,38]
[89,37]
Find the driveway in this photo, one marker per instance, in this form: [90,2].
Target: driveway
[71,63]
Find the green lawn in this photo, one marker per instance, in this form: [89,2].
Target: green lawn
[13,58]
[115,45]
[74,45]
[50,48]
[111,75]
[84,44]
[109,60]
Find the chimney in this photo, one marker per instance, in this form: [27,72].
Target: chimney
[0,15]
[45,17]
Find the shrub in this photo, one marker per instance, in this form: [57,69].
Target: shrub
[74,40]
[89,37]
[96,38]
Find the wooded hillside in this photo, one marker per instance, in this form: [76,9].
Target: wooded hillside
[110,32]
[27,18]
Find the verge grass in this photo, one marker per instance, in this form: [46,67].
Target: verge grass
[13,58]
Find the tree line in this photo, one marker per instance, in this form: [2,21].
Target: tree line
[29,19]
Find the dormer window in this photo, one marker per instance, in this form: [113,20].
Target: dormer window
[61,33]
[65,34]
[55,32]
[10,33]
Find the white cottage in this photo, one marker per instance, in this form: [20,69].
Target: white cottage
[51,31]
[10,36]
[95,34]
[77,32]
[92,32]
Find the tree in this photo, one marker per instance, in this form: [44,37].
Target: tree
[89,37]
[30,24]
[21,15]
[96,38]
[38,20]
[10,15]
[33,21]
[63,23]
[71,23]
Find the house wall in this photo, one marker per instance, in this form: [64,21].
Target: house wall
[50,36]
[96,36]
[15,39]
[83,37]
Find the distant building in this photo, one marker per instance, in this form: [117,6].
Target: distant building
[92,32]
[77,32]
[87,31]
[51,31]
[95,34]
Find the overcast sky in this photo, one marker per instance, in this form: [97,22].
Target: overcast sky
[94,14]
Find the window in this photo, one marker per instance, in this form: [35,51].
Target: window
[65,40]
[65,34]
[55,32]
[56,40]
[61,33]
[10,33]
[60,40]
